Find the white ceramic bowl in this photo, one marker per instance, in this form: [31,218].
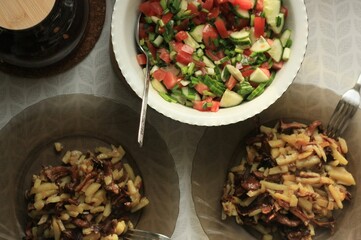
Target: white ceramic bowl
[123,39]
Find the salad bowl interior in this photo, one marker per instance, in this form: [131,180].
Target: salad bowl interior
[122,30]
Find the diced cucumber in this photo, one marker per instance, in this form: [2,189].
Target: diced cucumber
[199,52]
[230,99]
[251,20]
[277,26]
[210,71]
[180,98]
[234,72]
[261,45]
[184,5]
[154,68]
[286,54]
[208,62]
[258,76]
[239,12]
[245,43]
[271,9]
[163,3]
[190,94]
[166,97]
[197,33]
[286,35]
[252,37]
[238,36]
[155,19]
[225,74]
[276,50]
[158,41]
[158,86]
[191,42]
[182,67]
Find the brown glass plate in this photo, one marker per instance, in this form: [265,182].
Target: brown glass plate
[83,122]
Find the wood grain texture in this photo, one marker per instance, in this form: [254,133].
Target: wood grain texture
[23,14]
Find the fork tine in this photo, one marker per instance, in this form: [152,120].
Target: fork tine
[340,118]
[345,121]
[335,118]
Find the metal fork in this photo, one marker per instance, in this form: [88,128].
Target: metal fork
[344,111]
[136,234]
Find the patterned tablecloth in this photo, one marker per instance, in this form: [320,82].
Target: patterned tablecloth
[333,60]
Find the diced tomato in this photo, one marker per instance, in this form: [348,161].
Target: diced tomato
[181,35]
[159,74]
[151,49]
[243,4]
[269,41]
[176,46]
[142,31]
[284,10]
[151,8]
[231,82]
[199,64]
[170,80]
[188,49]
[193,8]
[156,8]
[183,57]
[221,1]
[164,55]
[221,28]
[214,13]
[209,36]
[141,58]
[277,65]
[247,52]
[201,87]
[247,71]
[144,7]
[167,17]
[259,24]
[214,56]
[207,4]
[200,105]
[215,106]
[259,6]
[183,25]
[266,71]
[265,65]
[206,105]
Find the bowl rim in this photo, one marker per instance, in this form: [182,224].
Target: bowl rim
[224,116]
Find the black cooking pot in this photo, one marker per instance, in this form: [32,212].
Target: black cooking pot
[50,40]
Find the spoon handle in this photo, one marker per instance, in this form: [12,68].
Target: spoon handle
[143,111]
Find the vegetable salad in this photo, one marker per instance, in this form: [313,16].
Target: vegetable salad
[209,54]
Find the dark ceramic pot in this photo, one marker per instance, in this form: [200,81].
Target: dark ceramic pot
[49,41]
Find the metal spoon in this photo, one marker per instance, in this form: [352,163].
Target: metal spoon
[143,111]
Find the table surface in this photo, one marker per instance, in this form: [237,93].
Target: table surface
[333,61]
